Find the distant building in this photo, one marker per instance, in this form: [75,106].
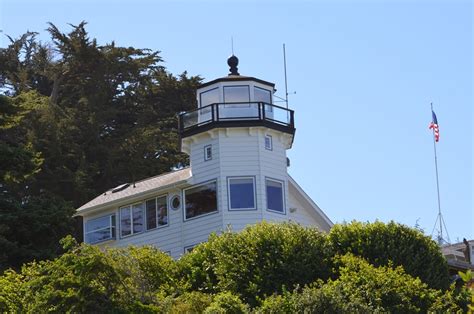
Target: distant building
[460,256]
[236,140]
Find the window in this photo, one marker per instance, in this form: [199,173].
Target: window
[209,97]
[241,193]
[175,202]
[156,212]
[207,152]
[131,219]
[262,95]
[265,96]
[268,142]
[275,200]
[200,200]
[239,93]
[100,229]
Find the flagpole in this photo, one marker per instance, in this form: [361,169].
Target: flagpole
[440,217]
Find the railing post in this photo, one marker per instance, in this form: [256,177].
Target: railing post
[292,122]
[263,110]
[217,112]
[212,109]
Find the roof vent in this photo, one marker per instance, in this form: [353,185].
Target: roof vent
[233,62]
[120,187]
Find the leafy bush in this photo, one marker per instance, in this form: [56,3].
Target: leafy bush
[261,260]
[381,243]
[88,279]
[364,288]
[226,302]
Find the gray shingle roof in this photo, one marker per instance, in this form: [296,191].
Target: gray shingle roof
[143,186]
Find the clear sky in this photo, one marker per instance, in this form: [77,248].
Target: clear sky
[364,73]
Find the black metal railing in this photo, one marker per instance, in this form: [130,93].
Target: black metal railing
[235,114]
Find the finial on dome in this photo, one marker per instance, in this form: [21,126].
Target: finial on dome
[233,61]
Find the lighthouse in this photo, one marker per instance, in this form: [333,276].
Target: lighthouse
[237,140]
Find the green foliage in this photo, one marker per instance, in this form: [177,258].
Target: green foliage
[364,288]
[381,244]
[88,279]
[259,261]
[76,119]
[144,280]
[25,228]
[468,278]
[226,302]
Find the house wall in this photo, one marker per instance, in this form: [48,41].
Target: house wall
[173,238]
[241,152]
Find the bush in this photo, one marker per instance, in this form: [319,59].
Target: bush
[381,243]
[364,288]
[261,260]
[88,279]
[227,303]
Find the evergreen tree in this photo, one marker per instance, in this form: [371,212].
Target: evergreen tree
[78,118]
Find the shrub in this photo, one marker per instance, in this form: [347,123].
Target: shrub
[381,243]
[261,260]
[227,303]
[88,279]
[364,288]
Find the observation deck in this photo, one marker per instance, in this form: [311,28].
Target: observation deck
[236,114]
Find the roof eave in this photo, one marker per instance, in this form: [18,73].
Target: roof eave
[316,208]
[88,210]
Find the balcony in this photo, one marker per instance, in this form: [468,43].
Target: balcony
[241,114]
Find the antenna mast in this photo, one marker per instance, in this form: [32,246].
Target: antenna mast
[286,80]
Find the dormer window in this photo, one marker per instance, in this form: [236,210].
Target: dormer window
[237,93]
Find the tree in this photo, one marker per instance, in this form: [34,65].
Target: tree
[76,119]
[381,244]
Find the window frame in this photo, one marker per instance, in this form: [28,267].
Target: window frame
[271,97]
[130,207]
[111,227]
[271,142]
[236,104]
[229,201]
[263,89]
[282,195]
[206,91]
[206,156]
[156,212]
[183,204]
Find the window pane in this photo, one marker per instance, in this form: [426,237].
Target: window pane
[162,211]
[138,218]
[201,200]
[99,235]
[237,94]
[241,193]
[100,229]
[125,221]
[262,95]
[151,214]
[209,97]
[274,196]
[99,223]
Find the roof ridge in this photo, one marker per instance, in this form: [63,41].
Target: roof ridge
[153,177]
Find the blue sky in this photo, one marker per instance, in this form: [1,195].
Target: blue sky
[364,73]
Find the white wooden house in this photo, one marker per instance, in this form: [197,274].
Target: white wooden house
[237,141]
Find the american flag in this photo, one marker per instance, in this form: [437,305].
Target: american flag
[434,126]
